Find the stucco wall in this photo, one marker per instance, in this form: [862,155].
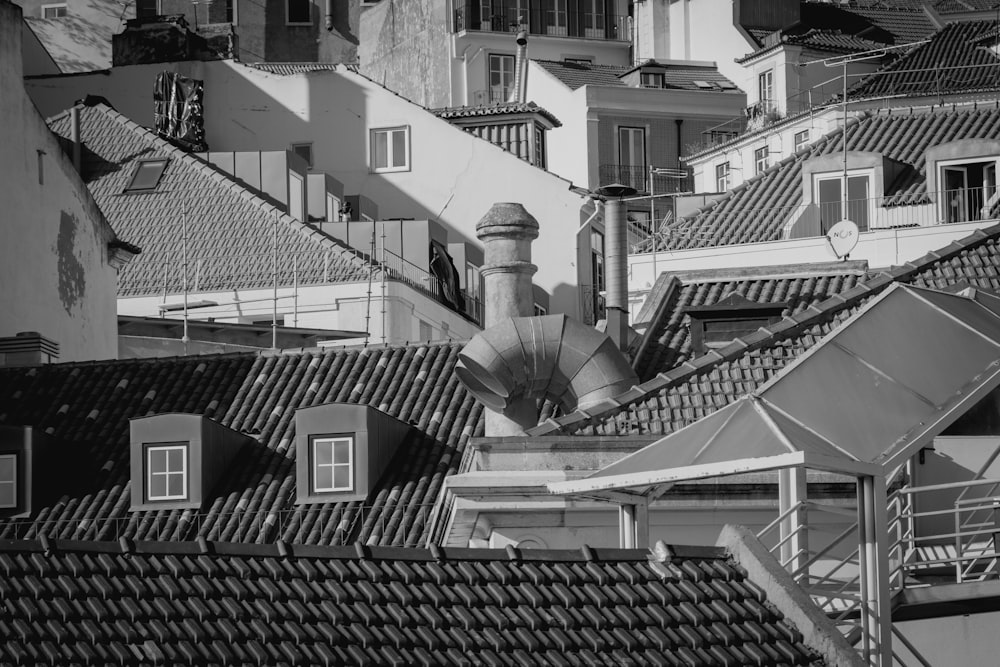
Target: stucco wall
[454,178]
[53,257]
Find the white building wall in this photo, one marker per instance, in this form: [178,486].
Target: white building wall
[454,177]
[54,269]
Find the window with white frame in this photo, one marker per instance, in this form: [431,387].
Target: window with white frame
[147,175]
[835,204]
[968,189]
[296,196]
[800,139]
[540,311]
[54,11]
[298,12]
[332,463]
[501,77]
[555,18]
[761,159]
[651,79]
[390,149]
[765,89]
[540,160]
[8,481]
[632,157]
[722,181]
[167,472]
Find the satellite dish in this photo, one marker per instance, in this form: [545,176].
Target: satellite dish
[843,236]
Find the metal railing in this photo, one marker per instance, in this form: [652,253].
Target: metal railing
[918,209]
[541,19]
[495,95]
[647,180]
[303,525]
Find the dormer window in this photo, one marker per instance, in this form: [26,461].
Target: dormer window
[167,472]
[829,196]
[8,481]
[333,464]
[733,317]
[651,79]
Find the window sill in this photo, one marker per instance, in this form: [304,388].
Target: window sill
[390,170]
[165,505]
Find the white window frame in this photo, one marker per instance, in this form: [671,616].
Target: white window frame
[168,473]
[12,482]
[288,22]
[765,82]
[375,131]
[56,5]
[839,175]
[495,63]
[797,144]
[296,196]
[941,165]
[723,179]
[757,168]
[314,464]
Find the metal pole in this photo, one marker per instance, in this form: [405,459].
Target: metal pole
[626,526]
[295,290]
[843,211]
[384,286]
[654,225]
[274,280]
[184,259]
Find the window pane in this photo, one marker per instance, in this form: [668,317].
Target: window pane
[6,468]
[147,175]
[324,478]
[829,203]
[399,148]
[342,477]
[323,452]
[857,201]
[175,460]
[342,451]
[158,486]
[157,461]
[299,11]
[7,495]
[381,150]
[175,484]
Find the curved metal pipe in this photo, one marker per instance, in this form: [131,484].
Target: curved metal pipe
[550,357]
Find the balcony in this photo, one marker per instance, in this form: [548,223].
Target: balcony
[542,20]
[645,180]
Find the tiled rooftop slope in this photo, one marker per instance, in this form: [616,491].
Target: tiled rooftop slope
[87,407]
[954,61]
[223,604]
[230,227]
[697,387]
[680,77]
[758,209]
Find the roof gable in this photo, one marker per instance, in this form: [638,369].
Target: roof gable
[229,227]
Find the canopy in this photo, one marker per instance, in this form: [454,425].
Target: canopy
[859,402]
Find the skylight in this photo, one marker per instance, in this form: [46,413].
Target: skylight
[147,175]
[703,84]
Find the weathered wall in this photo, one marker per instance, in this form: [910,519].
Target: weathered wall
[404,47]
[81,40]
[454,177]
[53,258]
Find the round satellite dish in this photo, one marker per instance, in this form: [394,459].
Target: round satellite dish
[843,236]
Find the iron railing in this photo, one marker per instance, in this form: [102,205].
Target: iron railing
[542,17]
[646,180]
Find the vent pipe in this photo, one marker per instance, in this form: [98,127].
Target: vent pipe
[520,90]
[74,136]
[506,232]
[329,14]
[616,260]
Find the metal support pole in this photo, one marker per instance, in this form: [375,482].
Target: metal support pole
[626,526]
[792,491]
[877,613]
[642,524]
[274,279]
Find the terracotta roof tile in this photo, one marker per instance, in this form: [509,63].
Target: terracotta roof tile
[230,228]
[677,76]
[591,616]
[499,109]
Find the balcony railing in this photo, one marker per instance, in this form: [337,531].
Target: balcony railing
[542,19]
[646,180]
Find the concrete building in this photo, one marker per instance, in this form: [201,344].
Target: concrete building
[60,256]
[342,118]
[448,53]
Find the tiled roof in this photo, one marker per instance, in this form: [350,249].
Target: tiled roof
[758,209]
[87,407]
[230,227]
[494,110]
[906,25]
[699,386]
[676,75]
[667,343]
[285,69]
[221,604]
[577,75]
[834,41]
[952,62]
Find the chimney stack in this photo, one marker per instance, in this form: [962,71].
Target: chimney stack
[506,232]
[520,90]
[616,250]
[27,348]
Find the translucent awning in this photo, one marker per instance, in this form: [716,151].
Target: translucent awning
[860,401]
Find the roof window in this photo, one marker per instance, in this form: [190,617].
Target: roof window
[147,175]
[8,481]
[24,481]
[177,459]
[342,449]
[733,317]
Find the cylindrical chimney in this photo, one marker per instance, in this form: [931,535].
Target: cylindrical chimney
[616,261]
[506,232]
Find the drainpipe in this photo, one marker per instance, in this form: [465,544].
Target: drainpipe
[74,135]
[520,91]
[329,15]
[616,251]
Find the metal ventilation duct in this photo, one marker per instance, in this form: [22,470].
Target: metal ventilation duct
[550,357]
[519,93]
